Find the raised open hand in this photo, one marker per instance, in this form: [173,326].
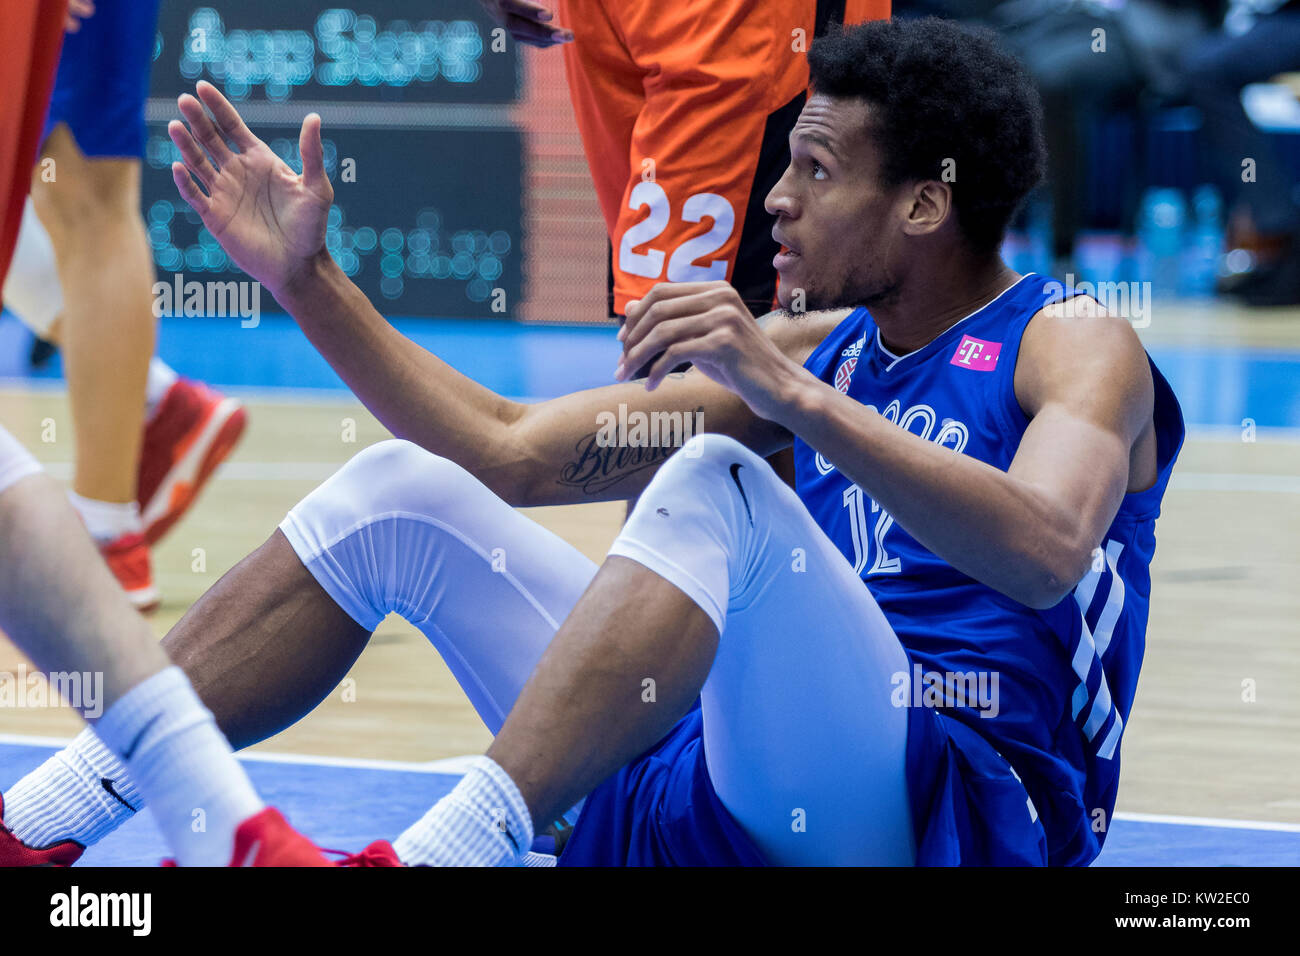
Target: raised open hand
[270,220]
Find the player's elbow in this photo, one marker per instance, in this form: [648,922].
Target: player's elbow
[1045,592]
[525,491]
[522,479]
[508,464]
[1054,576]
[512,475]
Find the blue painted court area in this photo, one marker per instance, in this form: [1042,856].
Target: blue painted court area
[347,807]
[342,808]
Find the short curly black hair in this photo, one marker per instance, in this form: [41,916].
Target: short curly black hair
[942,91]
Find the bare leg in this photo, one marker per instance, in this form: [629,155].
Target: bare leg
[58,602]
[265,644]
[92,214]
[61,606]
[262,647]
[596,664]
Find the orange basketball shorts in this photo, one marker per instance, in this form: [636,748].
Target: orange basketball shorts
[684,110]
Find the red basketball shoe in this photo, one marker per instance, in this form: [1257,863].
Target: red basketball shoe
[192,431]
[267,840]
[14,852]
[379,853]
[128,558]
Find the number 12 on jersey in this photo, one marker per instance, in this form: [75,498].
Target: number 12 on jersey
[856,502]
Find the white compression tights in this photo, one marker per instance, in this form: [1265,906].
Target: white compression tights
[797,712]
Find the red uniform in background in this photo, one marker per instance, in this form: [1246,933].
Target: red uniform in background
[684,109]
[31,34]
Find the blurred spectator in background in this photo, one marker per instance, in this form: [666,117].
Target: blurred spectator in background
[1259,40]
[1090,59]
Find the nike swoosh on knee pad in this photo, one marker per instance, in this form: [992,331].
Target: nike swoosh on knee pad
[735,476]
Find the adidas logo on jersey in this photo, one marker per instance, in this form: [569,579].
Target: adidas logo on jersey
[850,356]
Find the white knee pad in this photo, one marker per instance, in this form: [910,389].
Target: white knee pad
[702,518]
[387,477]
[367,501]
[708,456]
[400,530]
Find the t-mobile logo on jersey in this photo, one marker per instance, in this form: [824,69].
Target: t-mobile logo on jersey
[977,354]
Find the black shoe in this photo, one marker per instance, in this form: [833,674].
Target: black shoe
[1274,285]
[41,353]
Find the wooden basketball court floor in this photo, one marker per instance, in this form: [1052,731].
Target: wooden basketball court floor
[1215,731]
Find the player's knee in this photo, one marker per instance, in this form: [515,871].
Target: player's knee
[706,473]
[386,457]
[400,475]
[710,453]
[99,194]
[711,446]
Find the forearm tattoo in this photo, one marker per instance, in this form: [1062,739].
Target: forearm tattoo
[595,468]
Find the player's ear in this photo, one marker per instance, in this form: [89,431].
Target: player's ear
[928,204]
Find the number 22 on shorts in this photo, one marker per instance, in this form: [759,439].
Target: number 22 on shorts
[681,264]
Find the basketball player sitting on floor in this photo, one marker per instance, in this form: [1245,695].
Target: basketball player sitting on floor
[924,655]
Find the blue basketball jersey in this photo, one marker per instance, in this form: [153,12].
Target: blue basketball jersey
[1048,690]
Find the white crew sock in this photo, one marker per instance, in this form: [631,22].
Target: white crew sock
[182,765]
[161,378]
[482,822]
[68,796]
[107,520]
